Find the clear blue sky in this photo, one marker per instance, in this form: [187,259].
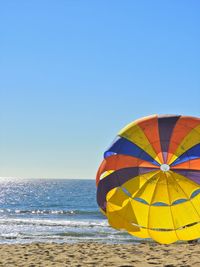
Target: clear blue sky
[73,73]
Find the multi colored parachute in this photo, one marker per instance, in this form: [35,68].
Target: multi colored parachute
[149,180]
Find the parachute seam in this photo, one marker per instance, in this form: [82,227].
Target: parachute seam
[145,184]
[148,228]
[170,207]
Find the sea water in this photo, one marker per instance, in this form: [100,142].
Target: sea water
[53,210]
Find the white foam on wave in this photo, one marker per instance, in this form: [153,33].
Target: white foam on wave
[24,230]
[52,222]
[50,211]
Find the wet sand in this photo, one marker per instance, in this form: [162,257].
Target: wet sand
[94,254]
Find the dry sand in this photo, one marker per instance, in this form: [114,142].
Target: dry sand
[93,254]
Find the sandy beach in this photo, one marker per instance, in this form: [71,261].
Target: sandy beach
[94,254]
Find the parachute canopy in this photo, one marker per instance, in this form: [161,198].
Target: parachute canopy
[149,180]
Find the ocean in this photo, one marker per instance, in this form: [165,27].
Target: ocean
[53,210]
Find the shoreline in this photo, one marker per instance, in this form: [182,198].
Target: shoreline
[99,254]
